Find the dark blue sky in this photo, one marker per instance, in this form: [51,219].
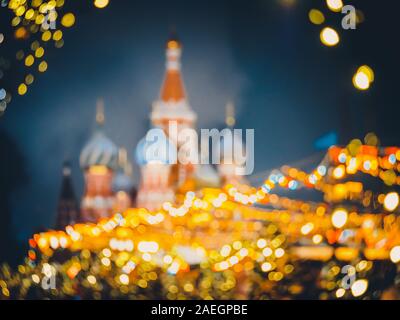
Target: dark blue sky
[265,57]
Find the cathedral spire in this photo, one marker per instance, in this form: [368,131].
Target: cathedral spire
[123,162]
[67,209]
[230,119]
[100,117]
[173,89]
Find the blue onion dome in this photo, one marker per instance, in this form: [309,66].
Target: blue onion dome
[155,147]
[100,150]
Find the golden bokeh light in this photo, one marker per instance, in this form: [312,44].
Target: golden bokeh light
[57,35]
[361,81]
[29,79]
[316,16]
[339,218]
[368,71]
[391,201]
[42,66]
[359,287]
[101,3]
[335,5]
[329,37]
[39,52]
[68,20]
[29,60]
[339,172]
[22,89]
[395,254]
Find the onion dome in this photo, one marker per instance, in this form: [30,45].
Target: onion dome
[155,147]
[100,150]
[123,178]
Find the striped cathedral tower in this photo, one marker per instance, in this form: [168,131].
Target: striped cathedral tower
[173,107]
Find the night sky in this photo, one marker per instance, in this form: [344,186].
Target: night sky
[265,57]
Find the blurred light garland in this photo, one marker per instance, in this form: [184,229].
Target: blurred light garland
[215,244]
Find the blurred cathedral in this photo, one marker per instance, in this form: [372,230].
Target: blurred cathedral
[107,170]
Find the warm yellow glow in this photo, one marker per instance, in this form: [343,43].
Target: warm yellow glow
[361,80]
[340,292]
[391,201]
[100,170]
[42,66]
[107,252]
[261,243]
[368,71]
[329,37]
[307,228]
[46,36]
[395,254]
[124,279]
[29,60]
[279,252]
[91,279]
[359,287]
[339,172]
[266,266]
[316,16]
[148,246]
[68,20]
[225,250]
[57,35]
[39,52]
[334,5]
[339,218]
[267,252]
[22,89]
[101,3]
[172,44]
[317,239]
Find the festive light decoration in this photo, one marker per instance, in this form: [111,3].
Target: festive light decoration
[329,37]
[218,243]
[219,239]
[334,5]
[43,24]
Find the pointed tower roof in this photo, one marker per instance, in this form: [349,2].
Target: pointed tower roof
[230,119]
[67,209]
[173,88]
[172,103]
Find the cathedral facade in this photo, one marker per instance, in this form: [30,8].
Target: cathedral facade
[108,173]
